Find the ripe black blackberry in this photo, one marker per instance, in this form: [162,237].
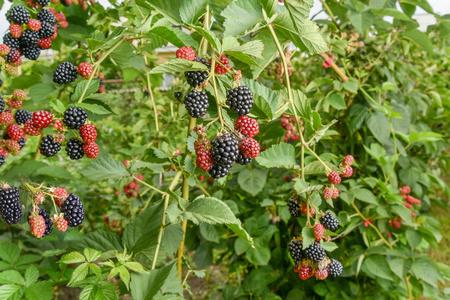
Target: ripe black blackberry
[10,206]
[196,78]
[46,30]
[46,16]
[335,268]
[243,160]
[225,149]
[218,171]
[48,146]
[73,211]
[22,116]
[2,160]
[32,53]
[329,221]
[178,95]
[196,103]
[2,104]
[19,14]
[74,149]
[43,3]
[48,222]
[29,38]
[294,207]
[315,252]
[11,41]
[240,99]
[75,117]
[65,73]
[296,250]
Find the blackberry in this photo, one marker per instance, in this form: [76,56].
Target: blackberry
[46,30]
[196,103]
[21,142]
[242,160]
[335,268]
[32,53]
[240,99]
[73,211]
[11,41]
[178,95]
[196,78]
[48,222]
[2,104]
[329,221]
[315,252]
[218,171]
[1,83]
[29,38]
[19,14]
[46,16]
[65,73]
[13,56]
[2,160]
[294,207]
[225,149]
[48,146]
[43,2]
[74,149]
[10,205]
[296,250]
[75,117]
[22,116]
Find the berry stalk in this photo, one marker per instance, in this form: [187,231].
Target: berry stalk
[150,91]
[216,94]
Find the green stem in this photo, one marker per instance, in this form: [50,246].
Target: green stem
[317,156]
[172,185]
[216,93]
[152,97]
[97,64]
[150,186]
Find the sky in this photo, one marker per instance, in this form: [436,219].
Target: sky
[441,7]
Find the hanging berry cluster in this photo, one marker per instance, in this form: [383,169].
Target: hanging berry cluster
[311,259]
[289,123]
[410,202]
[71,212]
[27,36]
[219,155]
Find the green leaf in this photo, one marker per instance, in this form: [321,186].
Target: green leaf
[403,212]
[31,275]
[424,136]
[168,8]
[336,101]
[100,240]
[414,238]
[11,276]
[135,267]
[54,172]
[58,106]
[278,156]
[308,236]
[106,291]
[190,11]
[9,252]
[178,65]
[42,290]
[260,254]
[10,291]
[122,55]
[92,88]
[362,20]
[390,12]
[396,264]
[125,276]
[270,6]
[329,246]
[209,233]
[42,91]
[252,181]
[365,196]
[351,85]
[302,186]
[376,266]
[147,286]
[240,231]
[425,270]
[253,48]
[95,108]
[302,104]
[172,237]
[175,36]
[79,273]
[419,38]
[266,100]
[105,168]
[299,11]
[379,126]
[240,16]
[210,36]
[210,210]
[92,254]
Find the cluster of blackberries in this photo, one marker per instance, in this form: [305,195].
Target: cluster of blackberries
[313,261]
[10,206]
[28,36]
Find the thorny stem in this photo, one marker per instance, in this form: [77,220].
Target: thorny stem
[185,195]
[172,185]
[408,286]
[150,91]
[371,225]
[150,186]
[334,67]
[216,94]
[97,64]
